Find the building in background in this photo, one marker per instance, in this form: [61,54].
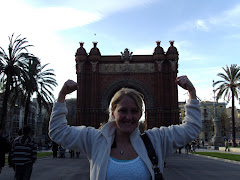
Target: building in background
[38,122]
[207,115]
[228,123]
[71,116]
[16,119]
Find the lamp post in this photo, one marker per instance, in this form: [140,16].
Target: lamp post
[217,139]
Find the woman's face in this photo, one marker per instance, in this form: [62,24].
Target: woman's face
[126,115]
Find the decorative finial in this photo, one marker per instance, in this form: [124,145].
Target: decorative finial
[126,55]
[94,44]
[171,43]
[158,43]
[81,44]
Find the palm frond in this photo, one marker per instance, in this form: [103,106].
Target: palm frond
[230,80]
[224,76]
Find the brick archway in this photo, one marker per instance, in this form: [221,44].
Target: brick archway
[131,83]
[153,75]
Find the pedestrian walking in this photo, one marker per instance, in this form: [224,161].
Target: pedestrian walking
[10,163]
[54,149]
[226,145]
[193,146]
[72,153]
[40,145]
[180,150]
[117,150]
[77,154]
[24,154]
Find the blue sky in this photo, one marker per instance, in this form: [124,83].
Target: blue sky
[206,33]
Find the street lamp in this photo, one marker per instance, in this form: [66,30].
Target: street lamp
[217,139]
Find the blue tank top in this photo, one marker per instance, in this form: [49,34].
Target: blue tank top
[127,169]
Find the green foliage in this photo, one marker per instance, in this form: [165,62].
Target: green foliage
[45,82]
[230,83]
[21,75]
[228,156]
[44,154]
[13,71]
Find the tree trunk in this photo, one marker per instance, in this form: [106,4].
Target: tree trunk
[233,121]
[5,104]
[26,112]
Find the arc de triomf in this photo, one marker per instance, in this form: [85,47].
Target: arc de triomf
[153,75]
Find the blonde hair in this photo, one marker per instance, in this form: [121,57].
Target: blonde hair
[136,96]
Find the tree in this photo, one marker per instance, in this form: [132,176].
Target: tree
[41,82]
[12,68]
[45,83]
[229,88]
[30,84]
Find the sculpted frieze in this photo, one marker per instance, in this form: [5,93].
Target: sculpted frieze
[79,66]
[126,67]
[159,65]
[94,65]
[174,65]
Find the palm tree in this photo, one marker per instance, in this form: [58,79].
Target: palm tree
[46,82]
[229,88]
[40,82]
[29,84]
[12,68]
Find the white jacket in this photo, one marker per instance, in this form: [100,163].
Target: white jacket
[96,144]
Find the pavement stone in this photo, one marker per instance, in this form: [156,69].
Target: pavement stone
[179,166]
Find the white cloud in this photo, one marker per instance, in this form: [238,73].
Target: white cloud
[201,25]
[230,17]
[107,7]
[185,48]
[39,25]
[43,20]
[236,36]
[235,12]
[26,18]
[226,18]
[60,18]
[198,24]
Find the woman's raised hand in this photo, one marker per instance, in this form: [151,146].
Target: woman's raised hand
[185,83]
[68,87]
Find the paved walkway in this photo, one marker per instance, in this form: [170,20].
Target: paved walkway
[179,166]
[194,167]
[48,168]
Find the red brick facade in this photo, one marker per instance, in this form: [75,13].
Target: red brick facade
[154,76]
